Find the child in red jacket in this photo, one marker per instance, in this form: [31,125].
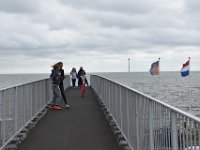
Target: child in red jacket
[84,82]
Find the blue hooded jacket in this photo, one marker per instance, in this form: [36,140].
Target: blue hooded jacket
[53,76]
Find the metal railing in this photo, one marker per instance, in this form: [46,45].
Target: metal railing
[20,104]
[147,123]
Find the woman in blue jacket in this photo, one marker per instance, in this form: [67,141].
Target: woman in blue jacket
[56,79]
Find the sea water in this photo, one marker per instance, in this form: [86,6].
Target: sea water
[10,80]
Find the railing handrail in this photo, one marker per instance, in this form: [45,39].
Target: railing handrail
[197,119]
[24,83]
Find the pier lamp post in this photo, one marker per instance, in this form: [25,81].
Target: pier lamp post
[129,65]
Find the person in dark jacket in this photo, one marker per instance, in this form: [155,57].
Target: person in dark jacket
[80,72]
[61,85]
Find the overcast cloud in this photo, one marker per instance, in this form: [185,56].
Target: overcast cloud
[99,35]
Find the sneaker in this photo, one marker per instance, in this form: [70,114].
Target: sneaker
[54,107]
[57,108]
[67,106]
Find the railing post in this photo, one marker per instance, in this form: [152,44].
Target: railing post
[121,111]
[1,116]
[24,104]
[128,115]
[174,131]
[109,94]
[16,110]
[47,91]
[151,137]
[137,122]
[31,100]
[4,116]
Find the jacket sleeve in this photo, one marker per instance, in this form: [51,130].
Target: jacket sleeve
[86,81]
[54,74]
[51,75]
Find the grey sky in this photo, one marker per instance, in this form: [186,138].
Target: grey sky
[99,35]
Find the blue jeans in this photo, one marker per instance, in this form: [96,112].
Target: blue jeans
[56,95]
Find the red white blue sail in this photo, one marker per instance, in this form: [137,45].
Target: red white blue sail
[185,71]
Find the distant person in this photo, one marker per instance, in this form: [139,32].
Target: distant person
[80,72]
[56,79]
[61,86]
[84,82]
[73,74]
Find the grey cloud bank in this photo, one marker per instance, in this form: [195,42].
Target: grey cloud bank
[99,35]
[19,6]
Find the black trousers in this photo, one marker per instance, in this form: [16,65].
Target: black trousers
[79,81]
[73,82]
[62,90]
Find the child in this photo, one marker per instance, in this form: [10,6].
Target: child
[56,78]
[84,81]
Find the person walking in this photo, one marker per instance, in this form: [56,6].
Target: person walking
[73,74]
[84,82]
[61,85]
[56,78]
[80,73]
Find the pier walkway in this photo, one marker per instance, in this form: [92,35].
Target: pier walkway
[81,127]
